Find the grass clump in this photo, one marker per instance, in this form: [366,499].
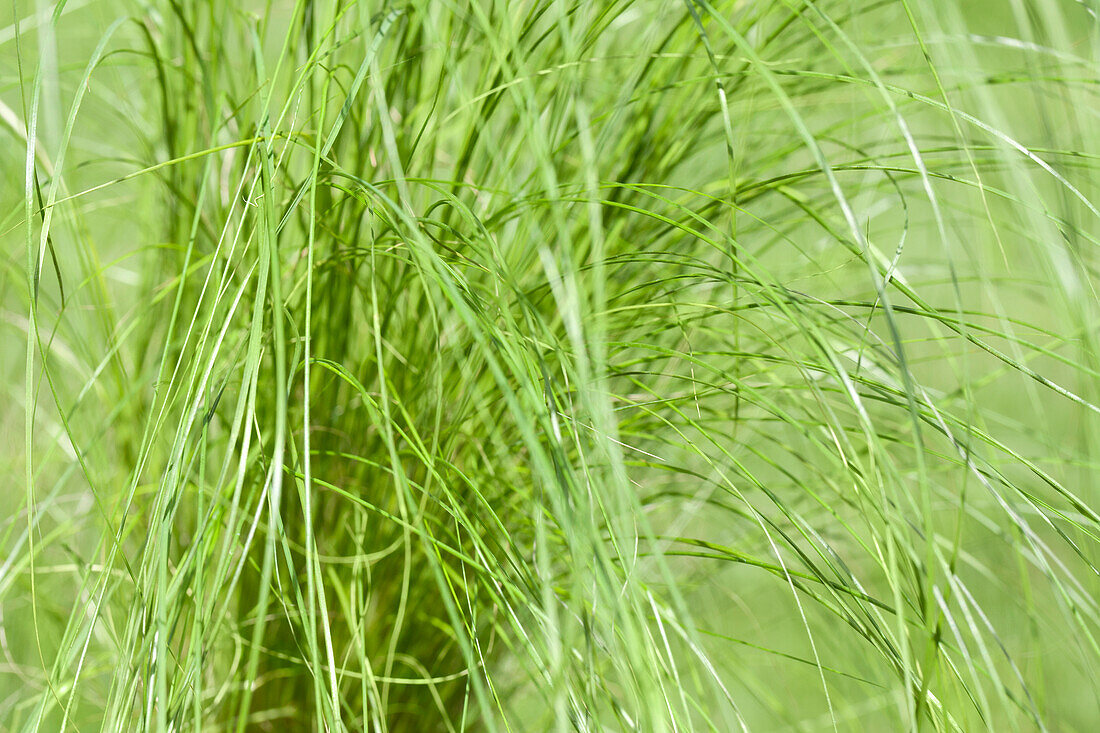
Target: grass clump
[549,366]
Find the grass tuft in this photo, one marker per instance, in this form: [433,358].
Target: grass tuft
[550,365]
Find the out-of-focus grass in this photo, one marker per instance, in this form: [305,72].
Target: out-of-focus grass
[549,365]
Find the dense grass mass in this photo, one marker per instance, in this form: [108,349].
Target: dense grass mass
[550,365]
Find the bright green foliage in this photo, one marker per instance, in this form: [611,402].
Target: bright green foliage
[549,365]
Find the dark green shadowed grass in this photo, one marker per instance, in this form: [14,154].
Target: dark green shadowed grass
[524,366]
